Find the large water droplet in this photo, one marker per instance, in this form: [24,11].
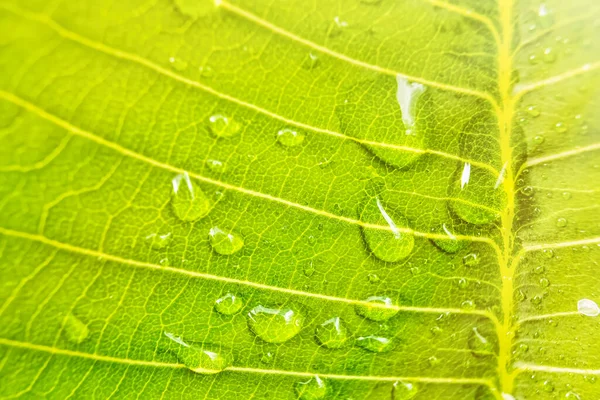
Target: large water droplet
[381,310]
[408,94]
[404,390]
[561,222]
[203,359]
[75,330]
[275,325]
[588,308]
[290,137]
[376,344]
[228,304]
[222,126]
[159,240]
[312,389]
[480,195]
[451,244]
[225,243]
[188,200]
[389,244]
[332,333]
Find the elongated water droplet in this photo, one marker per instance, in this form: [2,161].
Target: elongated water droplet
[390,244]
[203,359]
[75,330]
[588,307]
[312,389]
[571,395]
[477,196]
[407,95]
[451,244]
[229,304]
[225,243]
[332,333]
[290,137]
[188,200]
[222,126]
[159,240]
[381,309]
[376,344]
[481,340]
[404,390]
[275,324]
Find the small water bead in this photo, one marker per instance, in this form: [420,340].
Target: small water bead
[548,386]
[375,344]
[561,222]
[538,140]
[337,27]
[225,243]
[312,389]
[206,71]
[435,330]
[527,191]
[548,253]
[549,55]
[523,348]
[159,241]
[178,64]
[206,359]
[311,61]
[467,305]
[75,330]
[188,200]
[373,278]
[480,341]
[536,300]
[404,390]
[462,283]
[589,378]
[408,94]
[229,304]
[533,111]
[290,137]
[309,269]
[520,295]
[471,260]
[332,333]
[433,361]
[267,358]
[560,127]
[275,324]
[588,307]
[544,282]
[222,126]
[215,166]
[388,245]
[566,195]
[381,310]
[533,60]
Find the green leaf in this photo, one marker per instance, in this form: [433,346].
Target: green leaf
[366,199]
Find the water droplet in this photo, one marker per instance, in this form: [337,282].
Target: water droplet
[433,361]
[471,260]
[468,305]
[188,200]
[373,278]
[332,333]
[548,386]
[229,304]
[376,344]
[538,140]
[533,111]
[572,395]
[75,330]
[544,282]
[390,244]
[451,244]
[178,64]
[275,325]
[533,60]
[539,269]
[215,166]
[527,191]
[404,390]
[566,195]
[415,271]
[537,300]
[223,242]
[477,195]
[312,389]
[589,378]
[222,126]
[523,348]
[267,358]
[337,27]
[203,359]
[309,269]
[381,310]
[436,330]
[560,127]
[311,61]
[408,94]
[520,295]
[549,55]
[561,222]
[588,307]
[289,137]
[480,341]
[158,240]
[548,253]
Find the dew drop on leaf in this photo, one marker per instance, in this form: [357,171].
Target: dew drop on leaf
[158,240]
[408,94]
[228,304]
[571,395]
[332,333]
[336,27]
[549,55]
[533,111]
[373,278]
[544,282]
[566,195]
[75,330]
[375,344]
[451,244]
[381,310]
[310,61]
[481,340]
[433,361]
[312,389]
[404,390]
[206,359]
[188,200]
[548,253]
[390,244]
[471,260]
[468,305]
[290,137]
[215,166]
[225,243]
[560,127]
[588,307]
[206,71]
[222,126]
[548,386]
[561,222]
[538,140]
[309,269]
[462,283]
[275,324]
